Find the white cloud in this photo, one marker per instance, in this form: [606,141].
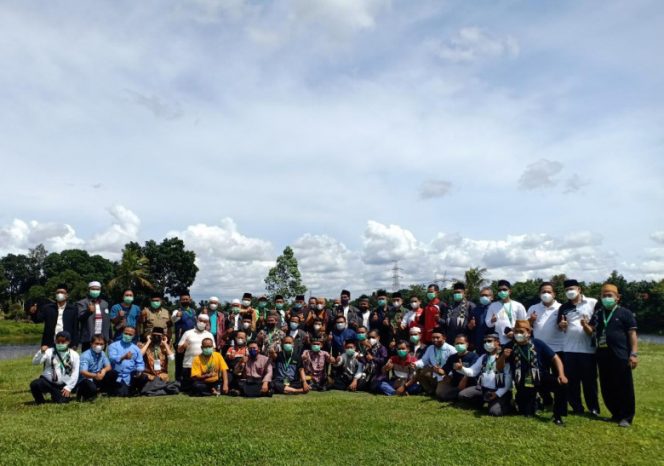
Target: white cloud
[340,16]
[435,188]
[383,244]
[658,236]
[125,229]
[471,44]
[540,174]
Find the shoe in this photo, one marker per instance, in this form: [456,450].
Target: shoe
[594,413]
[234,392]
[558,421]
[624,423]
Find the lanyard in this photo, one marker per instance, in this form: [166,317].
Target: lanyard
[525,355]
[438,354]
[287,363]
[607,320]
[508,312]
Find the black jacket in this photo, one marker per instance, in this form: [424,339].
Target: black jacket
[48,313]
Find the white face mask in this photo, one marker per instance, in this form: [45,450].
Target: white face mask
[246,303]
[320,307]
[571,294]
[520,337]
[488,346]
[239,342]
[200,325]
[97,348]
[214,306]
[341,326]
[414,305]
[60,297]
[246,325]
[546,298]
[396,304]
[372,341]
[317,327]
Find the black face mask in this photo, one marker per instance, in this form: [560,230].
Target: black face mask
[156,339]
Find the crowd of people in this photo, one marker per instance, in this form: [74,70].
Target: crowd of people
[494,354]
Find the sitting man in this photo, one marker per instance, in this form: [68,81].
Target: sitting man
[206,369]
[127,361]
[374,357]
[256,373]
[95,371]
[289,377]
[494,385]
[313,362]
[454,382]
[349,370]
[340,335]
[157,353]
[60,373]
[402,380]
[430,366]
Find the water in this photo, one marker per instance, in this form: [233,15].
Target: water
[17,351]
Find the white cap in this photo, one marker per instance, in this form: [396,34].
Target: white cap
[235,301]
[214,298]
[91,284]
[415,330]
[203,317]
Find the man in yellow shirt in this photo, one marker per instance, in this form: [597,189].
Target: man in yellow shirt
[206,370]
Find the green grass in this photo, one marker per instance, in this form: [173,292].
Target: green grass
[12,331]
[319,428]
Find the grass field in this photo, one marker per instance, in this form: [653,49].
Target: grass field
[319,428]
[20,332]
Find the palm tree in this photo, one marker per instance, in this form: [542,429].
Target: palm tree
[132,273]
[474,281]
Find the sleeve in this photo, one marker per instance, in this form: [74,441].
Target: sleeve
[104,360]
[174,316]
[38,317]
[359,371]
[426,358]
[449,364]
[84,363]
[531,309]
[82,309]
[73,378]
[630,320]
[507,372]
[521,312]
[114,354]
[268,373]
[474,370]
[113,312]
[222,363]
[196,368]
[490,312]
[40,357]
[140,364]
[184,338]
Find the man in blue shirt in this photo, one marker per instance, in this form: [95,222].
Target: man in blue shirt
[95,373]
[184,318]
[340,335]
[124,314]
[127,360]
[476,325]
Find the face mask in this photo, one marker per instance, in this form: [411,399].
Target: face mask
[430,296]
[200,326]
[294,325]
[345,301]
[214,306]
[373,341]
[262,304]
[457,297]
[414,305]
[396,304]
[236,310]
[350,352]
[571,294]
[128,299]
[240,342]
[320,307]
[253,352]
[415,338]
[298,306]
[546,298]
[155,304]
[246,303]
[402,353]
[520,337]
[95,293]
[608,303]
[488,346]
[246,325]
[381,302]
[361,336]
[61,347]
[156,339]
[288,347]
[279,306]
[271,324]
[341,326]
[315,348]
[185,304]
[503,294]
[208,351]
[460,348]
[317,327]
[97,348]
[485,300]
[60,297]
[127,338]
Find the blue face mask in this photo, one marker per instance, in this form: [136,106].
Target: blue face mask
[485,300]
[253,352]
[127,338]
[294,325]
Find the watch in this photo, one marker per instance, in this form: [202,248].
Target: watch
[636,355]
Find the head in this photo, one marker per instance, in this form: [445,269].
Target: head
[397,299]
[374,338]
[94,289]
[252,349]
[320,303]
[344,297]
[240,338]
[213,303]
[202,322]
[362,333]
[415,334]
[572,289]
[491,343]
[402,349]
[486,295]
[340,323]
[97,343]
[432,291]
[547,293]
[461,343]
[415,302]
[504,290]
[246,300]
[272,320]
[155,301]
[350,347]
[185,299]
[312,302]
[128,334]
[287,344]
[61,293]
[522,332]
[381,298]
[363,303]
[207,347]
[128,297]
[438,337]
[610,296]
[299,301]
[62,341]
[279,302]
[294,322]
[262,302]
[246,322]
[236,306]
[156,336]
[458,292]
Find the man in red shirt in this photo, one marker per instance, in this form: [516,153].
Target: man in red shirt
[431,314]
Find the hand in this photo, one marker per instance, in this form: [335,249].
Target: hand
[265,388]
[562,325]
[305,387]
[179,314]
[44,348]
[375,317]
[633,361]
[148,340]
[510,335]
[388,366]
[128,355]
[507,352]
[458,366]
[33,309]
[533,317]
[562,380]
[121,313]
[368,357]
[91,307]
[471,324]
[412,365]
[66,393]
[494,318]
[224,388]
[99,376]
[386,323]
[401,390]
[353,385]
[492,396]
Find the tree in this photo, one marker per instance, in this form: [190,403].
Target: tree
[172,268]
[133,272]
[19,273]
[37,256]
[76,268]
[284,278]
[474,278]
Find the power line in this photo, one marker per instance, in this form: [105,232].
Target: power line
[396,286]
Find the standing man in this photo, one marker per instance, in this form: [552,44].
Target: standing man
[190,346]
[351,313]
[503,314]
[93,316]
[124,314]
[57,317]
[155,317]
[184,319]
[219,326]
[431,314]
[365,312]
[579,350]
[477,325]
[458,318]
[617,355]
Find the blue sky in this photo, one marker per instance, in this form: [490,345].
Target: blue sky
[521,136]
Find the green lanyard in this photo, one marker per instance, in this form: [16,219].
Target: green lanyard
[287,363]
[508,312]
[438,355]
[607,320]
[525,355]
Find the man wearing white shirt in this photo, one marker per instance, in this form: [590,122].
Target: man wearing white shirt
[543,317]
[431,372]
[503,314]
[579,351]
[60,374]
[191,345]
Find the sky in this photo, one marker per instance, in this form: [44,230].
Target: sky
[524,137]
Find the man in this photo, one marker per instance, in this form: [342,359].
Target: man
[380,313]
[299,336]
[365,312]
[263,310]
[219,326]
[280,306]
[320,314]
[543,317]
[391,325]
[348,370]
[237,353]
[314,362]
[157,354]
[127,361]
[60,373]
[250,334]
[458,318]
[503,314]
[190,346]
[454,382]
[60,316]
[289,377]
[617,354]
[531,361]
[350,313]
[124,314]
[574,317]
[317,332]
[298,309]
[155,317]
[93,316]
[494,386]
[269,338]
[431,374]
[340,335]
[184,319]
[432,313]
[95,373]
[417,348]
[374,356]
[477,324]
[206,370]
[400,373]
[412,317]
[256,374]
[247,310]
[234,318]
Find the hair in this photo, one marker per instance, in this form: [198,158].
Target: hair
[485,288]
[349,342]
[440,330]
[402,342]
[340,316]
[207,339]
[98,336]
[128,289]
[129,326]
[362,326]
[461,335]
[543,284]
[434,286]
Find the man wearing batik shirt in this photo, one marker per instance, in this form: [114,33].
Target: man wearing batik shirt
[318,314]
[374,356]
[459,316]
[156,354]
[93,315]
[313,362]
[269,339]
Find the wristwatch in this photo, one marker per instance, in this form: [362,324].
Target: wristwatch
[636,355]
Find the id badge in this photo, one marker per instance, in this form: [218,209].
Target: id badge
[601,341]
[528,382]
[157,365]
[286,382]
